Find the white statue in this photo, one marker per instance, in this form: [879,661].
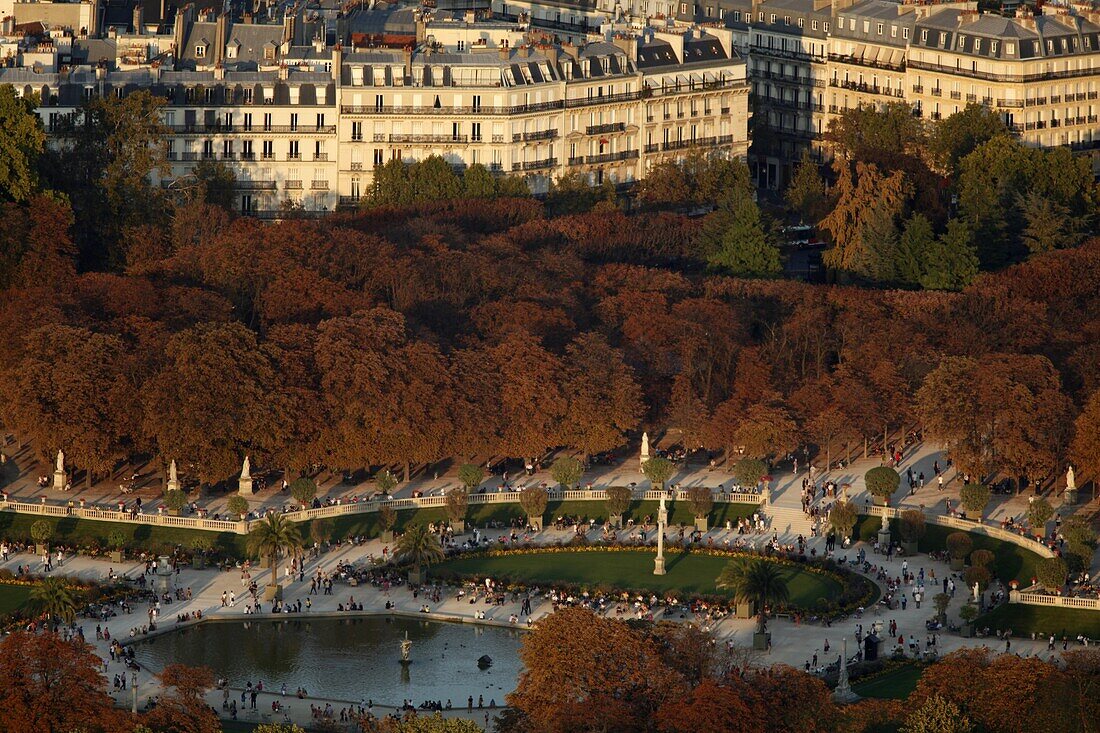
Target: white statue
[645,447]
[172,471]
[60,462]
[662,507]
[976,593]
[1071,482]
[245,468]
[885,522]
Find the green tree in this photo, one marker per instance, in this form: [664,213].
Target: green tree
[1049,225]
[956,136]
[805,194]
[217,184]
[418,547]
[881,136]
[387,518]
[512,187]
[391,185]
[959,545]
[56,598]
[175,500]
[22,141]
[749,472]
[911,525]
[436,723]
[757,581]
[534,499]
[882,482]
[385,481]
[937,715]
[1080,543]
[701,500]
[914,242]
[41,531]
[571,194]
[471,475]
[304,490]
[105,160]
[982,558]
[458,504]
[880,244]
[566,471]
[658,471]
[747,248]
[272,538]
[478,183]
[952,259]
[433,179]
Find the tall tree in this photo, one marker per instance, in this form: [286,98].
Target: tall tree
[951,261]
[22,141]
[805,194]
[603,402]
[1048,224]
[747,247]
[1085,449]
[956,136]
[182,708]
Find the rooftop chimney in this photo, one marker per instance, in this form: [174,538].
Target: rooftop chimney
[139,20]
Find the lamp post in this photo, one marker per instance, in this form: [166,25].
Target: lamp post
[133,692]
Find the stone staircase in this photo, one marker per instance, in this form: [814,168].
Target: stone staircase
[788,522]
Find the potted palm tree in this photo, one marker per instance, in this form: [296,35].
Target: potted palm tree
[271,539]
[458,502]
[420,548]
[387,519]
[117,540]
[702,501]
[56,598]
[618,501]
[758,582]
[41,531]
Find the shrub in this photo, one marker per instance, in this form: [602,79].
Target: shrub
[882,482]
[385,481]
[968,613]
[116,539]
[978,575]
[701,500]
[201,544]
[1051,573]
[618,500]
[471,475]
[959,545]
[304,490]
[237,505]
[911,525]
[975,498]
[175,500]
[567,471]
[658,471]
[982,558]
[843,517]
[749,471]
[41,531]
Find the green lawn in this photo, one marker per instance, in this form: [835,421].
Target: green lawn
[1011,562]
[893,685]
[13,597]
[693,574]
[71,530]
[1043,621]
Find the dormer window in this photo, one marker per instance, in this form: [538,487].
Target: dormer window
[1010,49]
[977,45]
[993,47]
[200,51]
[269,53]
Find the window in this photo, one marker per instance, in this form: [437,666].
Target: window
[475,131]
[247,121]
[377,158]
[248,96]
[269,53]
[923,36]
[866,26]
[905,33]
[320,120]
[977,45]
[683,8]
[893,31]
[786,20]
[825,26]
[852,24]
[1010,49]
[357,131]
[294,122]
[813,24]
[771,18]
[269,150]
[760,16]
[993,47]
[1050,46]
[801,22]
[737,16]
[294,153]
[267,122]
[200,52]
[878,28]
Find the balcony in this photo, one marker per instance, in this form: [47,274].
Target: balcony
[918,89]
[356,166]
[605,129]
[652,147]
[223,129]
[242,185]
[320,157]
[293,185]
[1010,103]
[725,110]
[956,95]
[248,155]
[294,155]
[318,186]
[971,97]
[1057,99]
[859,86]
[534,165]
[860,61]
[531,136]
[577,160]
[190,156]
[937,92]
[348,202]
[439,139]
[611,157]
[171,155]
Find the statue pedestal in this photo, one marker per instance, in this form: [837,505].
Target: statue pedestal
[59,480]
[1069,498]
[244,486]
[883,540]
[659,565]
[172,485]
